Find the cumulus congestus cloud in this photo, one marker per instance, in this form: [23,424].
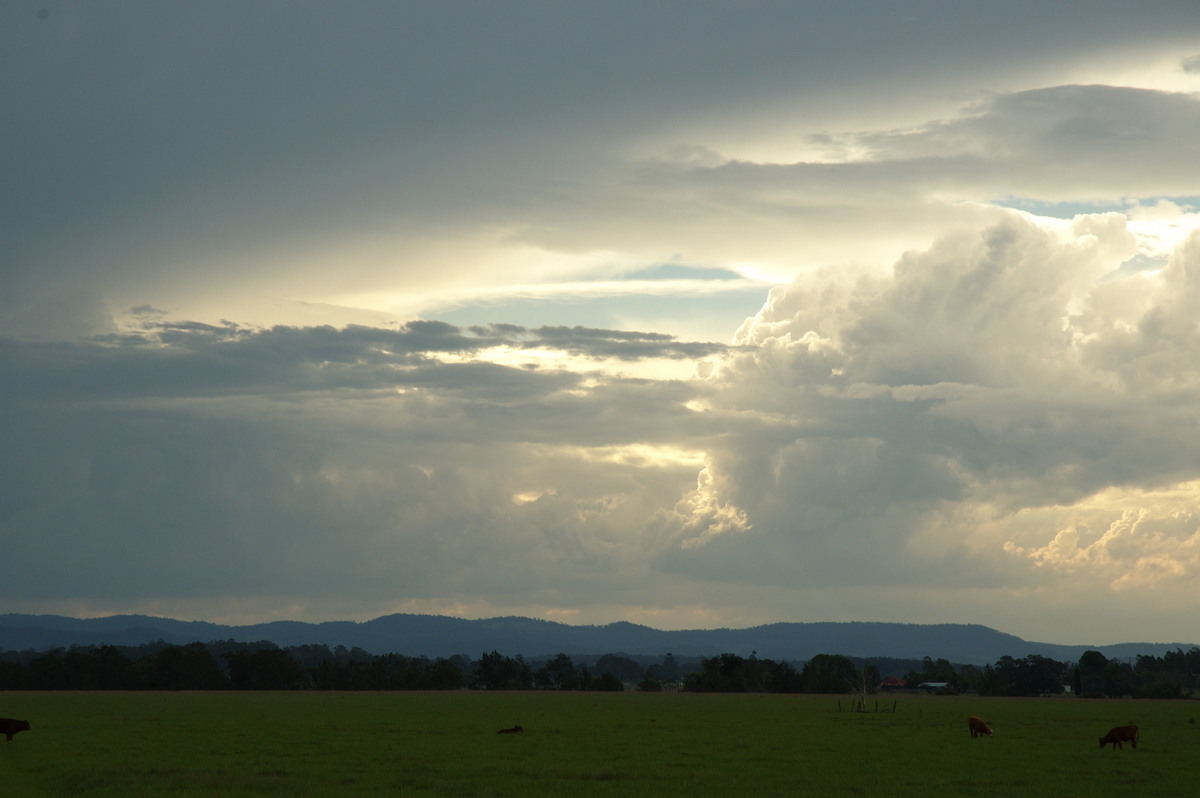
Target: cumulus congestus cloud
[1004,407]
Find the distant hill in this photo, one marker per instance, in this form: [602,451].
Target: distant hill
[438,636]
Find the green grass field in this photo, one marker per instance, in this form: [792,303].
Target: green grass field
[586,744]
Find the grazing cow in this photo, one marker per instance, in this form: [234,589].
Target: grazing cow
[978,727]
[9,727]
[1120,734]
[513,730]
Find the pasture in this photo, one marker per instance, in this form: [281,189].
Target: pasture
[586,744]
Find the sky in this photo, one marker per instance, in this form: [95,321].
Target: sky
[693,314]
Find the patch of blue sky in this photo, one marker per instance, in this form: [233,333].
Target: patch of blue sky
[1138,263]
[677,271]
[1069,210]
[708,317]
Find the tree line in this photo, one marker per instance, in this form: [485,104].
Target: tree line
[230,665]
[1176,674]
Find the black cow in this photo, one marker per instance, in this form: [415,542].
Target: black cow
[9,727]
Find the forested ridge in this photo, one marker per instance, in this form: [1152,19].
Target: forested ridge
[442,636]
[233,665]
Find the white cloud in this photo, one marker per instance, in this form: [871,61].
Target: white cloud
[903,427]
[1121,544]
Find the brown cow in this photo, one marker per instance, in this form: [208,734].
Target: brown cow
[9,727]
[1120,734]
[978,727]
[513,730]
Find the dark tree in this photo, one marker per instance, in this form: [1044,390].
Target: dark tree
[828,673]
[650,685]
[264,669]
[190,667]
[667,671]
[729,673]
[1033,675]
[783,678]
[495,671]
[624,668]
[1089,675]
[607,683]
[558,674]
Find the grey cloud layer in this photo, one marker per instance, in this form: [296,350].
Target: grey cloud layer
[188,359]
[194,459]
[262,138]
